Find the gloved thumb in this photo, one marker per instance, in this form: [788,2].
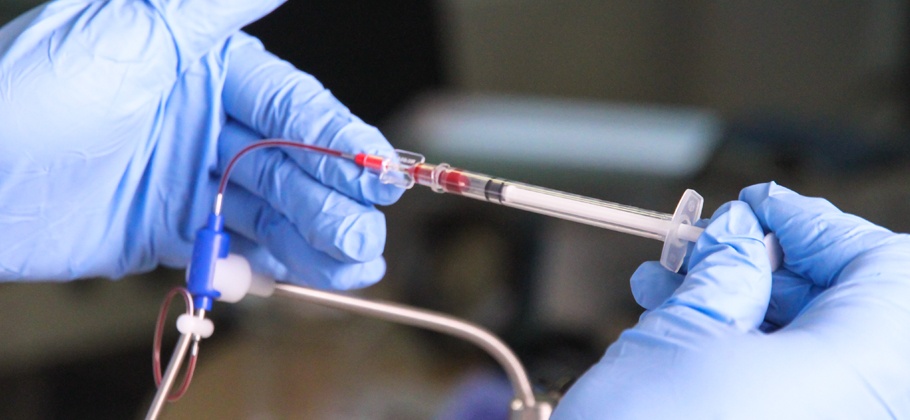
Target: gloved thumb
[652,284]
[199,25]
[729,276]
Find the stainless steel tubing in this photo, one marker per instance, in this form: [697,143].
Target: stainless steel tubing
[170,374]
[428,320]
[167,381]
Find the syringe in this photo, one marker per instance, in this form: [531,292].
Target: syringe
[674,230]
[405,169]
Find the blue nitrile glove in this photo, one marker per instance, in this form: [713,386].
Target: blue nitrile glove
[708,348]
[116,119]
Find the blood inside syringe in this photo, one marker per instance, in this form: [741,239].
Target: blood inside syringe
[450,180]
[622,218]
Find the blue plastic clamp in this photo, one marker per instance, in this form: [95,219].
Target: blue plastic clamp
[212,242]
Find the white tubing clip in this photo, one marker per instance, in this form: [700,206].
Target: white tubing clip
[188,324]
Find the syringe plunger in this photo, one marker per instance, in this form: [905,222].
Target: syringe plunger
[675,230]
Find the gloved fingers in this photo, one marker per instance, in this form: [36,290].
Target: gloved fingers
[261,260]
[790,294]
[328,220]
[729,278]
[652,284]
[250,217]
[278,101]
[817,239]
[197,26]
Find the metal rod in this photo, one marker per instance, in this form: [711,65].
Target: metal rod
[169,376]
[428,320]
[173,367]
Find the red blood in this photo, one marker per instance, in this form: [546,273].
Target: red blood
[369,161]
[454,181]
[422,174]
[451,180]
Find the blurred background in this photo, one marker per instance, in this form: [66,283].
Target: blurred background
[630,101]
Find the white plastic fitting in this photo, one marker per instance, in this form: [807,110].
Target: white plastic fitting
[188,324]
[234,279]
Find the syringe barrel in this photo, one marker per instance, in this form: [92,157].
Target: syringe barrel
[605,214]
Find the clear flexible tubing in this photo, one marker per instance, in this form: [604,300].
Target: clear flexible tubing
[222,185]
[162,315]
[159,333]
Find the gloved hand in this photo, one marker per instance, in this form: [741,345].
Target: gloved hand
[116,119]
[827,338]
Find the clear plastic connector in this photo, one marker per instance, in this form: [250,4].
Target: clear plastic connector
[398,170]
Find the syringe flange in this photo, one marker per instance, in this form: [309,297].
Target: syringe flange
[676,245]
